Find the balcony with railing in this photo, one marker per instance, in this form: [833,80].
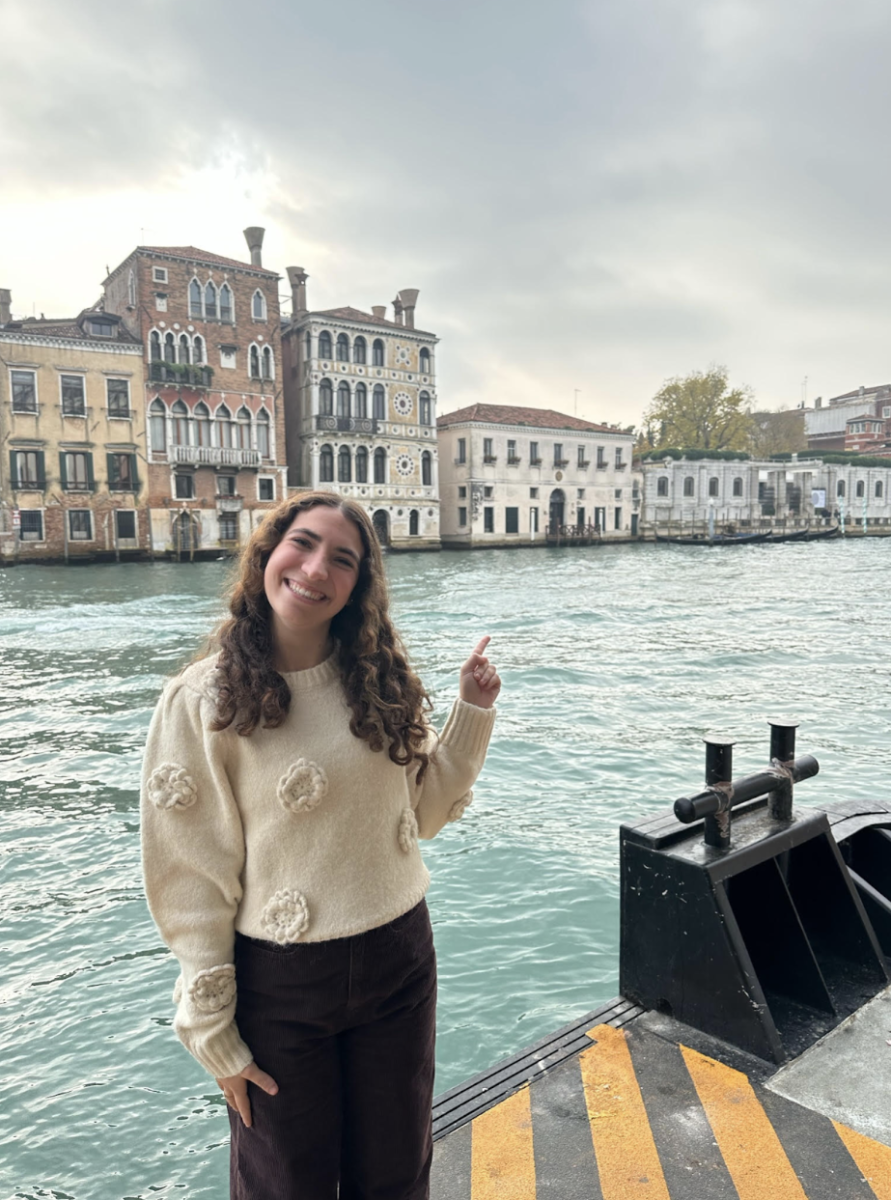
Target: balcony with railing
[230,504]
[490,458]
[181,374]
[583,464]
[559,463]
[602,464]
[213,456]
[513,460]
[620,466]
[347,424]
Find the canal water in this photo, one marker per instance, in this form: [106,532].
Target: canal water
[615,661]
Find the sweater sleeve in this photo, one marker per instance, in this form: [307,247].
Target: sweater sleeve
[456,759]
[193,855]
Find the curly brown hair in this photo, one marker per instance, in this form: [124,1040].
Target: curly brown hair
[387,699]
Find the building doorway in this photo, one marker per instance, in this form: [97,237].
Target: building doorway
[381,523]
[186,533]
[557,510]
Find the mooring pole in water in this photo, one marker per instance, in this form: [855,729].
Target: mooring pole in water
[718,770]
[782,756]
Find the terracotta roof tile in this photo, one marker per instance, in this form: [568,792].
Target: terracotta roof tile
[193,254]
[348,313]
[69,327]
[510,414]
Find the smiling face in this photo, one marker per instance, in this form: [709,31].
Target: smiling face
[311,574]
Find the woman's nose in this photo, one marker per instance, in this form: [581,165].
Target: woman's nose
[314,564]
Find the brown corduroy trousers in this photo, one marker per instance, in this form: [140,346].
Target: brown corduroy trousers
[346,1028]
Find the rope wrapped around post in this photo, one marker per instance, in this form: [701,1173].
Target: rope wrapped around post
[715,803]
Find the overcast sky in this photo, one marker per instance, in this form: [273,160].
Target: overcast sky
[595,195]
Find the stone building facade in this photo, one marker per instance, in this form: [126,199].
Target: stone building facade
[73,476]
[680,496]
[214,417]
[509,475]
[360,398]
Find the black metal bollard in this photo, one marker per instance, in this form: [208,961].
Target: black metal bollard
[719,771]
[782,757]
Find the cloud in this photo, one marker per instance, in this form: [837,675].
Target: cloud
[589,195]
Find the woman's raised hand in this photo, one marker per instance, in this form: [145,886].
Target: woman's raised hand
[480,683]
[234,1088]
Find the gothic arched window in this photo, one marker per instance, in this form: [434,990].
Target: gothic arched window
[326,398]
[343,399]
[361,401]
[195,309]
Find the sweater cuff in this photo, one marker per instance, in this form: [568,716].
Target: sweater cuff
[222,1053]
[468,728]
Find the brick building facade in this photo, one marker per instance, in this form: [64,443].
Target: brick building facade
[214,418]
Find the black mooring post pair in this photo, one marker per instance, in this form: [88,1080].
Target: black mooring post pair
[722,792]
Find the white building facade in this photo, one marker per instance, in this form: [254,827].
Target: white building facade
[510,475]
[360,404]
[683,495]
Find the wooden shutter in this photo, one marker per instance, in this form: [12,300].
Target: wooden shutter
[63,469]
[91,483]
[134,478]
[14,468]
[111,467]
[41,470]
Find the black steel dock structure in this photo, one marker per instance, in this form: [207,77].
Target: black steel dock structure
[749,1055]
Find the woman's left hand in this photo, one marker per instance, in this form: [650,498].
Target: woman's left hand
[480,683]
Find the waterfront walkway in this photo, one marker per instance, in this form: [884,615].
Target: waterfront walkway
[630,1105]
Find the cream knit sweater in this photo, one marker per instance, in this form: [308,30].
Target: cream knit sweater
[300,833]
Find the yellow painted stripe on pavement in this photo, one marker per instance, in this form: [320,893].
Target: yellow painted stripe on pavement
[873,1159]
[502,1165]
[753,1154]
[627,1159]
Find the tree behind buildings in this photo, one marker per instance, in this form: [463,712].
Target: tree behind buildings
[778,432]
[699,412]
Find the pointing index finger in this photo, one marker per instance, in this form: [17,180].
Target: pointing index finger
[483,643]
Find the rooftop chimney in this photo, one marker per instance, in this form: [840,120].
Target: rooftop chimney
[5,303]
[409,298]
[379,311]
[297,278]
[254,237]
[397,309]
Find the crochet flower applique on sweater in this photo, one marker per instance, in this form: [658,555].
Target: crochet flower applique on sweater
[302,787]
[286,916]
[408,829]
[170,786]
[456,812]
[213,989]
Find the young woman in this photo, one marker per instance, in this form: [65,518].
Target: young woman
[287,779]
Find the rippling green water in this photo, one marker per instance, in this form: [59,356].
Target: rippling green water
[615,661]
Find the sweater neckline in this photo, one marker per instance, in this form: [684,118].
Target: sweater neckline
[325,672]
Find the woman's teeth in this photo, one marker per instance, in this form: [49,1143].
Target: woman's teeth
[305,592]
